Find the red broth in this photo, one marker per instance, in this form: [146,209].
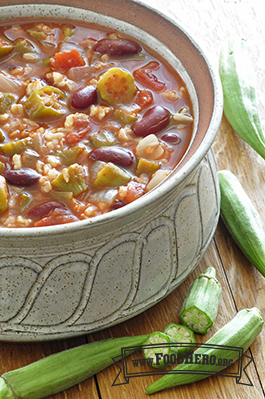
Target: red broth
[90,120]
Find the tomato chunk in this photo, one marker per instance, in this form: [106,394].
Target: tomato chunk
[146,76]
[144,98]
[65,60]
[134,191]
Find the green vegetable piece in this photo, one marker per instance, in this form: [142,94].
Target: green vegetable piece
[6,100]
[64,196]
[46,104]
[116,86]
[200,307]
[111,176]
[182,335]
[6,46]
[16,147]
[67,32]
[124,116]
[69,155]
[24,200]
[2,136]
[103,138]
[38,34]
[242,219]
[60,371]
[2,167]
[240,103]
[154,352]
[73,179]
[240,332]
[24,46]
[3,194]
[146,167]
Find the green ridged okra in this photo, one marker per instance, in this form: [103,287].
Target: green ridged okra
[182,335]
[240,332]
[242,219]
[200,306]
[63,370]
[240,103]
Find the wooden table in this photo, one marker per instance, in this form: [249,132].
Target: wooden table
[243,286]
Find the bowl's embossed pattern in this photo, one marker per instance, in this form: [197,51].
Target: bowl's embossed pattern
[111,280]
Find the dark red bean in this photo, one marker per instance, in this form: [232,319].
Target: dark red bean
[22,177]
[117,47]
[84,97]
[171,138]
[156,119]
[42,210]
[116,155]
[117,203]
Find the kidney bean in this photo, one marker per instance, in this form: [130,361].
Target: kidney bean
[117,204]
[116,155]
[84,97]
[22,177]
[117,47]
[171,138]
[43,209]
[156,119]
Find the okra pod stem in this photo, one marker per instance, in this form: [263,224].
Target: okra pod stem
[200,307]
[63,370]
[240,332]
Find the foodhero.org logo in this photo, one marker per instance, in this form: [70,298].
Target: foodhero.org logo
[183,363]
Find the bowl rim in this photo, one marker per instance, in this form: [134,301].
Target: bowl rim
[164,188]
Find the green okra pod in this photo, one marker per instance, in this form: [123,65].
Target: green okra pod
[240,102]
[242,219]
[63,370]
[240,332]
[200,306]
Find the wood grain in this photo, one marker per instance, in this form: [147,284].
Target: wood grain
[209,22]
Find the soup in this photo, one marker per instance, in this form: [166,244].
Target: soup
[90,120]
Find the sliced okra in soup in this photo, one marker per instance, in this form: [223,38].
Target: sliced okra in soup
[89,121]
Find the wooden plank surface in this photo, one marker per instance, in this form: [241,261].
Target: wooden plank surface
[209,22]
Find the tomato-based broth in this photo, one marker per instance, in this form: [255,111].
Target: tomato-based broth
[90,120]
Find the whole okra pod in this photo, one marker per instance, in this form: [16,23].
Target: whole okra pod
[240,332]
[242,219]
[240,103]
[63,370]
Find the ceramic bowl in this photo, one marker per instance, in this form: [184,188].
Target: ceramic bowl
[68,280]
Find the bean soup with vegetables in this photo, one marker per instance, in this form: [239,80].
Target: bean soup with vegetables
[90,120]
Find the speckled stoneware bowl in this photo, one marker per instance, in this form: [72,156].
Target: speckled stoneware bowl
[68,280]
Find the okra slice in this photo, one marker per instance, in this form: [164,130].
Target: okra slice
[60,371]
[116,86]
[239,333]
[46,104]
[157,352]
[72,179]
[182,335]
[200,307]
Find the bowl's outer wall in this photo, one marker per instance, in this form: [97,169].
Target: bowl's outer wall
[94,275]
